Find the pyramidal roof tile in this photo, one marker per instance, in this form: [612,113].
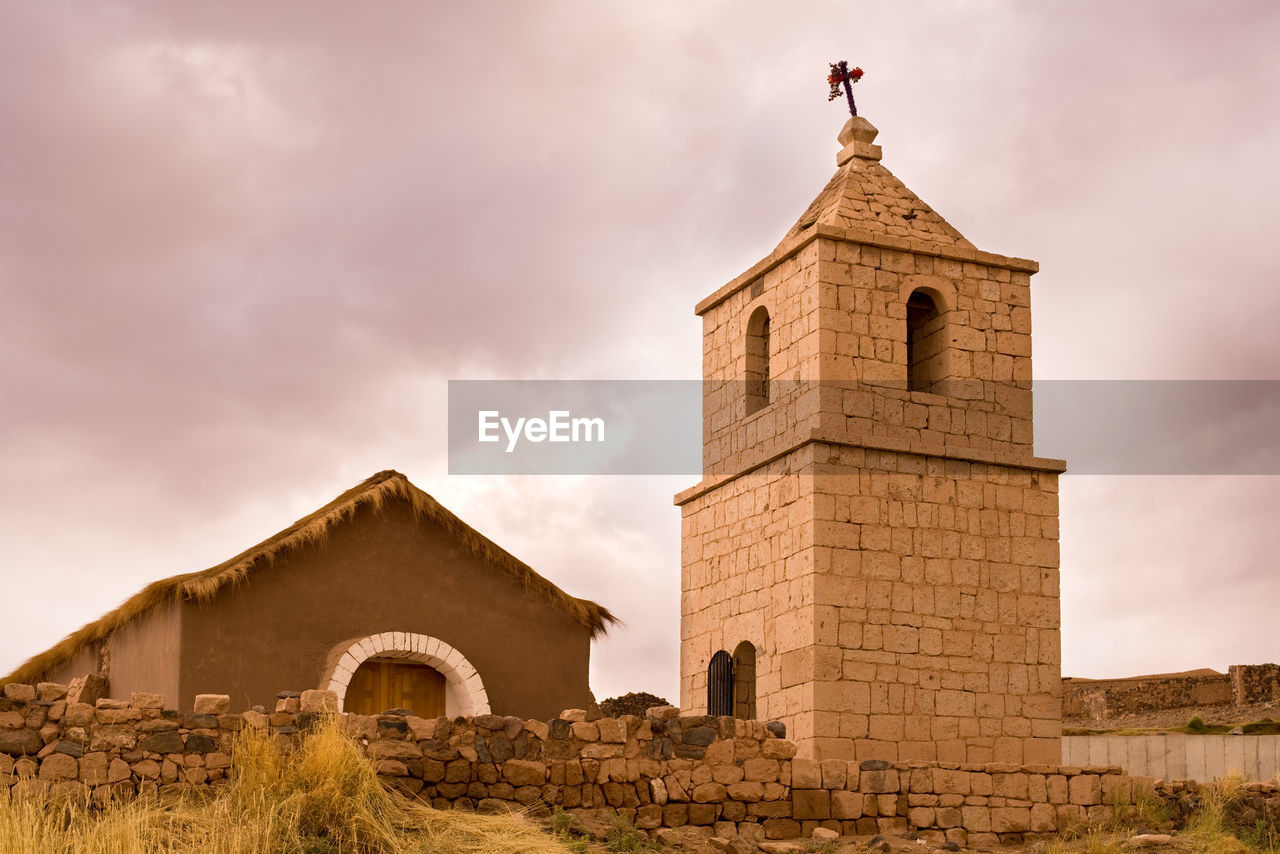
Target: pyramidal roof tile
[865,195]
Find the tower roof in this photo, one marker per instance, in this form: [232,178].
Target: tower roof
[865,195]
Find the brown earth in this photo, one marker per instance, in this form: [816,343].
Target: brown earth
[1168,719]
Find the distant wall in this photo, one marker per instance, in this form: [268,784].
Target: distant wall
[662,770]
[1254,683]
[1108,698]
[1174,756]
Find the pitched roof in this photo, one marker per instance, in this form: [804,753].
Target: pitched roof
[383,487]
[865,195]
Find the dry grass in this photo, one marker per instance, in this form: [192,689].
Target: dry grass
[382,488]
[323,798]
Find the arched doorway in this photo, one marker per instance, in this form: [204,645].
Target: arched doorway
[464,691]
[382,684]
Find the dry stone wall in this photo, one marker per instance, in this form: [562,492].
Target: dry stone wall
[1108,698]
[1102,699]
[662,770]
[1254,683]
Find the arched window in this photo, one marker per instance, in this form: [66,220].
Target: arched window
[926,342]
[720,685]
[744,681]
[758,360]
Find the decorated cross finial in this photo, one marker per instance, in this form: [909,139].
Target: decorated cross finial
[842,76]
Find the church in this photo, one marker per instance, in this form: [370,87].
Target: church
[871,556]
[382,596]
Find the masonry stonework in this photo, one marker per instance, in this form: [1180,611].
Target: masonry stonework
[876,524]
[721,775]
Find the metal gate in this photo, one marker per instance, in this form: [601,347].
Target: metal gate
[720,684]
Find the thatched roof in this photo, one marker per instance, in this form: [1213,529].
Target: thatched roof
[382,488]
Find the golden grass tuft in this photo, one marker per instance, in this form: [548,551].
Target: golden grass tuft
[311,530]
[324,798]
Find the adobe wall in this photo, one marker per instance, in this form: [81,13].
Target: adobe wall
[284,627]
[663,770]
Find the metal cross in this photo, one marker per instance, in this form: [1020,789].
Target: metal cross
[842,76]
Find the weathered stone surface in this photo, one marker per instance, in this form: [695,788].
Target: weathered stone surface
[162,742]
[394,749]
[105,715]
[146,700]
[51,691]
[19,692]
[114,738]
[708,793]
[74,749]
[256,720]
[212,704]
[86,689]
[521,772]
[79,714]
[197,743]
[805,774]
[777,749]
[1148,840]
[318,702]
[157,725]
[20,742]
[59,766]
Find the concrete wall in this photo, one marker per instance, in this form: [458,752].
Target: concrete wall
[1176,756]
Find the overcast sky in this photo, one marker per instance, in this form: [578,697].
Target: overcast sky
[244,246]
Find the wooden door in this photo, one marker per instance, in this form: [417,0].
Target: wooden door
[378,686]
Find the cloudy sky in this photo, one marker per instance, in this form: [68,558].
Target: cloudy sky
[244,246]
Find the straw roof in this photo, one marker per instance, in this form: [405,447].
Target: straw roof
[379,490]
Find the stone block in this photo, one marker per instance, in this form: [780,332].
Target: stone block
[1084,790]
[781,828]
[846,805]
[521,772]
[1010,819]
[19,692]
[834,773]
[811,804]
[20,742]
[318,702]
[708,793]
[59,766]
[146,700]
[50,692]
[805,774]
[212,704]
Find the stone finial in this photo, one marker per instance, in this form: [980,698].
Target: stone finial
[859,129]
[856,137]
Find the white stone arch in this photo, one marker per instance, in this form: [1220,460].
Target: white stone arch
[464,689]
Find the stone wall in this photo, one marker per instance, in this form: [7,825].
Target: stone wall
[1110,698]
[662,770]
[1254,683]
[1101,699]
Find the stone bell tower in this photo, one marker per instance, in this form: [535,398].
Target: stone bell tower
[871,556]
